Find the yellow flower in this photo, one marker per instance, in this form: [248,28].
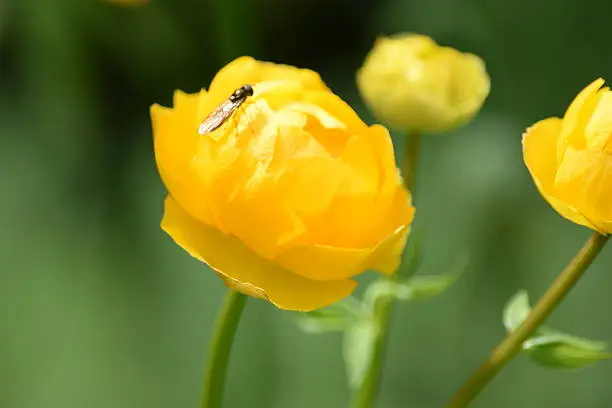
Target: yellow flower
[410,82]
[570,159]
[289,199]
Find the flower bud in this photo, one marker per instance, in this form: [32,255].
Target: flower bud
[570,159]
[410,82]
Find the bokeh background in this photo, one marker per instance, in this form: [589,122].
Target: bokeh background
[99,309]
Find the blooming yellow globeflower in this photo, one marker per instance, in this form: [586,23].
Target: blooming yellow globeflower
[410,82]
[291,197]
[570,159]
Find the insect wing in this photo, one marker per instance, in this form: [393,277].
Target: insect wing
[217,117]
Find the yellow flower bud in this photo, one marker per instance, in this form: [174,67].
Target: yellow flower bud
[410,82]
[570,159]
[289,199]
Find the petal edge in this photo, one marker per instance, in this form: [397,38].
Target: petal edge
[243,270]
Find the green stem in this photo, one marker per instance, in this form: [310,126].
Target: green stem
[511,345]
[411,154]
[218,356]
[366,394]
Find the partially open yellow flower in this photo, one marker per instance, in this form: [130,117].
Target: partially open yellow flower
[410,82]
[289,199]
[570,159]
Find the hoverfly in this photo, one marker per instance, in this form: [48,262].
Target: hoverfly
[222,112]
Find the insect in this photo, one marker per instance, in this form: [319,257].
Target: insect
[222,112]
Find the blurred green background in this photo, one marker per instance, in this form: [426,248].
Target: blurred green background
[99,309]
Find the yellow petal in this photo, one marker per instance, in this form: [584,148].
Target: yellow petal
[572,113]
[598,132]
[292,142]
[246,70]
[246,203]
[309,79]
[400,212]
[223,173]
[387,259]
[175,146]
[346,222]
[389,179]
[260,218]
[370,201]
[245,270]
[377,215]
[330,140]
[186,103]
[324,117]
[539,144]
[539,153]
[585,177]
[325,263]
[337,107]
[382,147]
[358,154]
[310,183]
[576,118]
[233,75]
[333,262]
[347,219]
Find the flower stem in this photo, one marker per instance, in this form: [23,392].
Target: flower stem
[511,345]
[366,394]
[411,154]
[218,356]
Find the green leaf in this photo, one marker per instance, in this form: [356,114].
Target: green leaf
[358,350]
[416,288]
[337,317]
[384,288]
[553,349]
[516,310]
[426,286]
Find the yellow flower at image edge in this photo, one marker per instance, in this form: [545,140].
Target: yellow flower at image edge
[570,159]
[288,200]
[409,82]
